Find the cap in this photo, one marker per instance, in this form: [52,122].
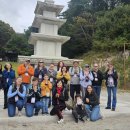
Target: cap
[86,66]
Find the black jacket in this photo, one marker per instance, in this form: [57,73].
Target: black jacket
[1,79]
[32,94]
[93,99]
[114,75]
[99,76]
[62,98]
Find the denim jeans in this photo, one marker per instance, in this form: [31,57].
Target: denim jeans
[93,112]
[27,86]
[45,101]
[31,106]
[97,90]
[12,107]
[111,90]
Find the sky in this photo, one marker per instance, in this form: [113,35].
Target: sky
[20,13]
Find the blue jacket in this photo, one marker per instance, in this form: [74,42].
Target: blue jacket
[38,72]
[8,78]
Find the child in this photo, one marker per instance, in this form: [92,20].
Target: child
[33,99]
[46,87]
[59,98]
[79,111]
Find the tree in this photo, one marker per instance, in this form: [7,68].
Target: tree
[6,32]
[19,44]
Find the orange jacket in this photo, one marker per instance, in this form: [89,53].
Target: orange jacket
[26,75]
[46,89]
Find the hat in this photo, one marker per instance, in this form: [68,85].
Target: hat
[75,61]
[27,60]
[41,61]
[86,66]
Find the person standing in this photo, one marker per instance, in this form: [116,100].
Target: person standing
[111,77]
[75,79]
[46,87]
[60,65]
[86,79]
[97,81]
[16,95]
[26,71]
[1,77]
[52,73]
[8,79]
[40,71]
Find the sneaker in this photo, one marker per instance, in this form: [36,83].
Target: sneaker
[107,108]
[81,119]
[113,109]
[4,107]
[19,113]
[60,121]
[76,120]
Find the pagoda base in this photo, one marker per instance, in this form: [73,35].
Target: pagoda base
[47,60]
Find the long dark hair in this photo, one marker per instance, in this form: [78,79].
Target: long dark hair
[66,69]
[93,91]
[59,80]
[58,65]
[6,66]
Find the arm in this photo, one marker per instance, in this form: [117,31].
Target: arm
[21,70]
[22,94]
[82,77]
[36,73]
[91,76]
[12,74]
[59,75]
[10,94]
[71,72]
[31,70]
[67,76]
[50,85]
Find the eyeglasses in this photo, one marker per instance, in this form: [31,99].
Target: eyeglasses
[95,66]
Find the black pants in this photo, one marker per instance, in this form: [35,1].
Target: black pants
[57,110]
[78,113]
[5,97]
[73,89]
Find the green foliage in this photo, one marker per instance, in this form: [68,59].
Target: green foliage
[6,33]
[19,43]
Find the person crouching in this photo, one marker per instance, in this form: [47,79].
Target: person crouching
[78,111]
[33,99]
[16,95]
[59,97]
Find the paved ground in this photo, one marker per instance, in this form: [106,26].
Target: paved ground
[118,120]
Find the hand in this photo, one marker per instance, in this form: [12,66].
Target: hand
[87,100]
[57,95]
[64,73]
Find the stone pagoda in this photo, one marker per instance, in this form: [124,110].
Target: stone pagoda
[47,43]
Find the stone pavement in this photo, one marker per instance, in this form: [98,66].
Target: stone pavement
[123,110]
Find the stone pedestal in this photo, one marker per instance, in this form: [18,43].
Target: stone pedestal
[47,43]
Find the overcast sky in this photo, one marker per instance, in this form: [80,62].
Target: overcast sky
[20,13]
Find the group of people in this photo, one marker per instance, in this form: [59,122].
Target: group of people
[39,88]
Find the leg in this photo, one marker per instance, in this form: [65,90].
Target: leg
[75,115]
[88,110]
[109,97]
[5,97]
[72,91]
[43,106]
[83,92]
[38,106]
[98,91]
[53,111]
[77,88]
[29,109]
[20,104]
[11,109]
[46,105]
[114,91]
[95,114]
